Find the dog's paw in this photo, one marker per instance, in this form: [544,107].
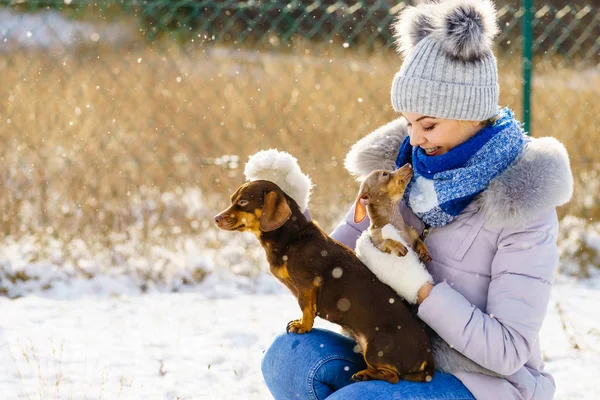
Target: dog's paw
[361,376]
[425,257]
[401,251]
[296,326]
[421,250]
[394,247]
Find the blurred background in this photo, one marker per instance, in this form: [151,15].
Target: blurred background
[125,125]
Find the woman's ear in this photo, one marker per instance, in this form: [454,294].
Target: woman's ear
[275,212]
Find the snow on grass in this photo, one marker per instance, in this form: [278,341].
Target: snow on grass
[52,268]
[570,338]
[194,346]
[579,246]
[157,346]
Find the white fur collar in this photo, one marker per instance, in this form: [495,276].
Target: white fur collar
[540,179]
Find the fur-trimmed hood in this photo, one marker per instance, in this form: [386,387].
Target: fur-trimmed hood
[540,178]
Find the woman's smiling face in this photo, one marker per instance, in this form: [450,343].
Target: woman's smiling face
[437,136]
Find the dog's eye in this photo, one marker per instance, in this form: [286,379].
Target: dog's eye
[243,203]
[384,174]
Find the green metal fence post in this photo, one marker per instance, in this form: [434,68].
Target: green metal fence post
[527,29]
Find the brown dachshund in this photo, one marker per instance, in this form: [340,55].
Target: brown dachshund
[329,281]
[379,195]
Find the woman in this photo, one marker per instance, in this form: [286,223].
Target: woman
[483,194]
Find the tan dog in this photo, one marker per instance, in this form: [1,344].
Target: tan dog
[380,195]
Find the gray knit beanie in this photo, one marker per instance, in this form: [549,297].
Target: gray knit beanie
[449,70]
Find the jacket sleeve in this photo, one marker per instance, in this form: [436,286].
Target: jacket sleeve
[347,231]
[522,272]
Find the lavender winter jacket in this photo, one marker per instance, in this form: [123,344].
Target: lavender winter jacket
[493,266]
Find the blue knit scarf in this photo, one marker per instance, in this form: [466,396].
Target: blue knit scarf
[442,186]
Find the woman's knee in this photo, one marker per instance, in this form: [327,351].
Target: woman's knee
[276,357]
[298,353]
[298,364]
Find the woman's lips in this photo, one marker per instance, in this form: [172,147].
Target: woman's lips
[433,153]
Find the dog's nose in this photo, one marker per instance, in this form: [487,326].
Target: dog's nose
[218,218]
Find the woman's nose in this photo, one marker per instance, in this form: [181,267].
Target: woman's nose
[416,139]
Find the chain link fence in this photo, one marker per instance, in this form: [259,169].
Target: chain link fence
[130,121]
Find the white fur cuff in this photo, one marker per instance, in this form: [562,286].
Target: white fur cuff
[390,232]
[405,274]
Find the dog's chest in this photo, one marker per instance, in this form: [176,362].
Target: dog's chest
[280,272]
[277,261]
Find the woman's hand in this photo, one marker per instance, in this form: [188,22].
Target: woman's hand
[424,292]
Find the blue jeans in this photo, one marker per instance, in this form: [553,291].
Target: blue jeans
[320,364]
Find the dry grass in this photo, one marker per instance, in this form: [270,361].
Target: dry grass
[91,141]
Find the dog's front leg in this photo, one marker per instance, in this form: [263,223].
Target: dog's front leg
[307,299]
[419,246]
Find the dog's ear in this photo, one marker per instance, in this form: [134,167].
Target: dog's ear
[360,211]
[275,211]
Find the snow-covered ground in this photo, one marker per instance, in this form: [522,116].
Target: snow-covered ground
[202,345]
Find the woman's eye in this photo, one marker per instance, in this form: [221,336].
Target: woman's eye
[429,128]
[243,203]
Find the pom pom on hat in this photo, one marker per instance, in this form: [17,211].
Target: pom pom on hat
[283,170]
[412,25]
[464,28]
[467,28]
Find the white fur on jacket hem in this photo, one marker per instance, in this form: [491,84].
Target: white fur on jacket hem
[405,274]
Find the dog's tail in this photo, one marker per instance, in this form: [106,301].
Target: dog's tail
[450,360]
